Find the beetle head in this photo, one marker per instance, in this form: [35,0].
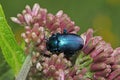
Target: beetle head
[52,43]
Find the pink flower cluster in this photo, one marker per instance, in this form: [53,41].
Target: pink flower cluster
[60,69]
[99,58]
[105,65]
[39,16]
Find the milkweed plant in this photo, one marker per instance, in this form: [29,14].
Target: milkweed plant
[32,61]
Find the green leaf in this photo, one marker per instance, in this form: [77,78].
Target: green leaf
[5,71]
[84,61]
[13,53]
[7,75]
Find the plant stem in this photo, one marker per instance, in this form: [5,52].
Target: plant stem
[26,65]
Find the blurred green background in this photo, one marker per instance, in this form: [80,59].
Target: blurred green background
[101,15]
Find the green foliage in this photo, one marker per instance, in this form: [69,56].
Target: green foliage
[84,61]
[13,54]
[5,71]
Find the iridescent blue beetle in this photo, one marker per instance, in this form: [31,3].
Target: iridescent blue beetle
[66,42]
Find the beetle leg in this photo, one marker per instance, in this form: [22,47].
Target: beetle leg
[64,31]
[57,34]
[69,54]
[53,35]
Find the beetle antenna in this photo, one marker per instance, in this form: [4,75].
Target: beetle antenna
[46,38]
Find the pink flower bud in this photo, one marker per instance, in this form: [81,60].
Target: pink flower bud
[98,66]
